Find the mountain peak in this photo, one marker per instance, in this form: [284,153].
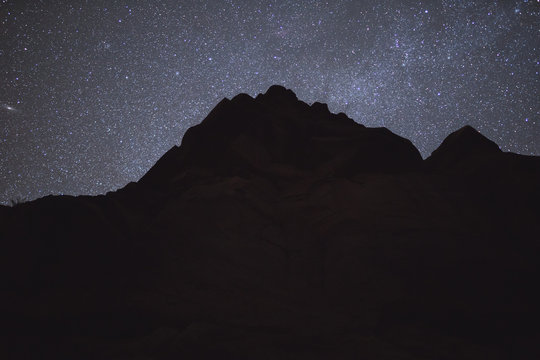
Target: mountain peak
[461,145]
[278,92]
[467,131]
[276,130]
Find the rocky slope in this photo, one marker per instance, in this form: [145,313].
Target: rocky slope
[279,230]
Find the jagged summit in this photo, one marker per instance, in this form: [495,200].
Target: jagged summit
[278,93]
[274,131]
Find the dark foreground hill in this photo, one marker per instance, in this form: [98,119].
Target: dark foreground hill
[278,230]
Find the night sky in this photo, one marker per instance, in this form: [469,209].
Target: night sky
[94,92]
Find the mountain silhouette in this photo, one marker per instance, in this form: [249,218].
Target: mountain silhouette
[280,230]
[463,145]
[277,132]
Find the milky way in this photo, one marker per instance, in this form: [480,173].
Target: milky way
[94,92]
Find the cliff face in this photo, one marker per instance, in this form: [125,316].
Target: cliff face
[277,230]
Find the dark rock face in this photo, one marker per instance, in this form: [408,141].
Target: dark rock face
[279,230]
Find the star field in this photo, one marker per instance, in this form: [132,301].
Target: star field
[94,92]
